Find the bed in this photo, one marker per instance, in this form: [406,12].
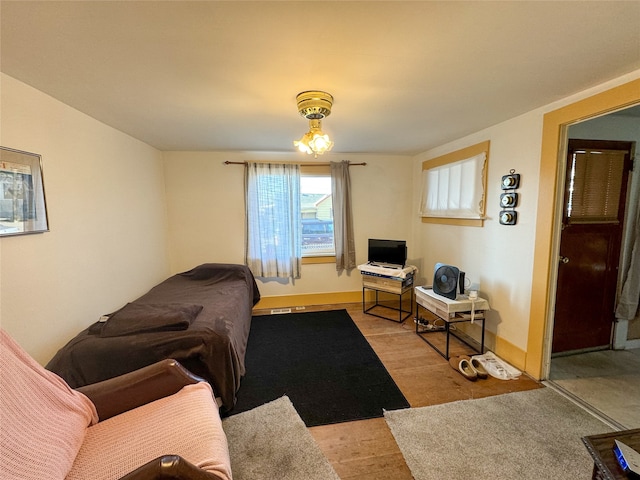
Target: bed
[201,318]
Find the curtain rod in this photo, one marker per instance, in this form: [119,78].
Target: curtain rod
[302,164]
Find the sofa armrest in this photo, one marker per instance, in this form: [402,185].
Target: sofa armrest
[170,467]
[119,394]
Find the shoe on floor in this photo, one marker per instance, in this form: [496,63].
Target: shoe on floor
[479,368]
[463,366]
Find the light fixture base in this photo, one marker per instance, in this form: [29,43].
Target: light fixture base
[314,104]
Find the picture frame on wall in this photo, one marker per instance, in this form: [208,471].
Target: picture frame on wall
[23,208]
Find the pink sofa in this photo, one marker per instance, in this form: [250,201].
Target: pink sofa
[158,422]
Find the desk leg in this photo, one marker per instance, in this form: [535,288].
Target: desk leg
[400,311]
[447,326]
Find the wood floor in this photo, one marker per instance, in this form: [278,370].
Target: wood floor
[366,449]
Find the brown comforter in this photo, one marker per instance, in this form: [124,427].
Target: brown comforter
[211,341]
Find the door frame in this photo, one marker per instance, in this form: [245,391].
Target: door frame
[550,200]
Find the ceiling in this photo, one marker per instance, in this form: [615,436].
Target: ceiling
[406,76]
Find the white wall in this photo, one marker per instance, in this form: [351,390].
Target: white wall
[499,257]
[206,212]
[106,206]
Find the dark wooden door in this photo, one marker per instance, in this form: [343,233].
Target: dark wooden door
[595,194]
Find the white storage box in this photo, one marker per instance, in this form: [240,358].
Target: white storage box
[387,284]
[445,307]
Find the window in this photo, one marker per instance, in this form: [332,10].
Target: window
[290,215]
[595,186]
[454,185]
[316,208]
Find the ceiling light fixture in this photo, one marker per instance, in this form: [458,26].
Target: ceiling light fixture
[314,106]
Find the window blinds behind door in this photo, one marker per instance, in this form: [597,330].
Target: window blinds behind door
[595,181]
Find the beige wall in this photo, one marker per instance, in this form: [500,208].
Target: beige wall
[106,205]
[206,212]
[500,258]
[497,257]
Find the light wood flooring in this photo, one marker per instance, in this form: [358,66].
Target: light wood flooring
[366,449]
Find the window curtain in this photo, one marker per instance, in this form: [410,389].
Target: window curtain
[630,296]
[342,216]
[274,237]
[454,190]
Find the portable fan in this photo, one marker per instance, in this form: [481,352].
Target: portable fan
[445,280]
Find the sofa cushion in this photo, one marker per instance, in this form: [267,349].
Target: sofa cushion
[43,420]
[186,424]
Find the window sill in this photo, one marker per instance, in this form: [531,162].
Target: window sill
[315,260]
[465,222]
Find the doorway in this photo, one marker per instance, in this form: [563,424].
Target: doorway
[596,182]
[603,380]
[545,255]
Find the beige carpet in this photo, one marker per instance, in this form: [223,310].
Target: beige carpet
[272,442]
[525,435]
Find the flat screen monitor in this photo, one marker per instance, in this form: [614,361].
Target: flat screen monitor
[387,252]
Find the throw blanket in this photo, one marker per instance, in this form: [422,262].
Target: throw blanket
[43,420]
[141,317]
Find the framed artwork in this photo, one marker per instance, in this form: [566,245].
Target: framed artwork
[23,208]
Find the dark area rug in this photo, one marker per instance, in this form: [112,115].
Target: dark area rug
[322,362]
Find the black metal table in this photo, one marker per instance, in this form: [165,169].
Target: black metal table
[377,303]
[449,322]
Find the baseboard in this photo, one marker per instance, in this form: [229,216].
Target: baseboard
[510,353]
[504,349]
[308,299]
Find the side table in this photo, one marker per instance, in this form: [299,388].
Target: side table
[391,281]
[400,310]
[452,312]
[605,465]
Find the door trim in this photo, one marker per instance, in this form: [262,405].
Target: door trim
[554,139]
